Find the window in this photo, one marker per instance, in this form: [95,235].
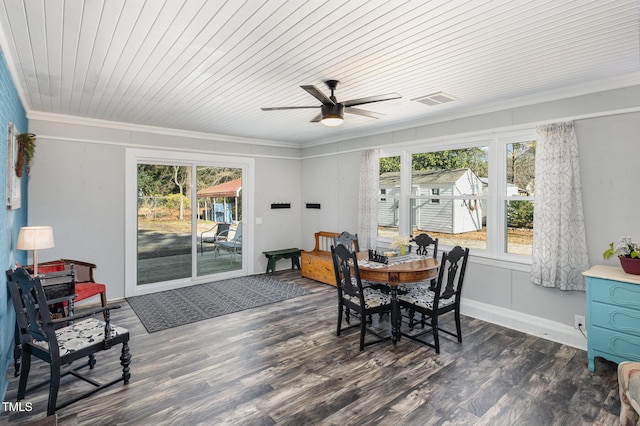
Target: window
[455,216]
[435,191]
[477,194]
[389,202]
[520,187]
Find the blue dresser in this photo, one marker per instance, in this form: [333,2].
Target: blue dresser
[613,315]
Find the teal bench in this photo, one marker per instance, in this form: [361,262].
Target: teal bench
[275,255]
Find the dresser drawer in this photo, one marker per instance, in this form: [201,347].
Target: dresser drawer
[614,292]
[620,345]
[615,318]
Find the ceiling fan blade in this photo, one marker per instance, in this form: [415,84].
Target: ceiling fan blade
[291,107]
[370,99]
[317,118]
[363,112]
[313,91]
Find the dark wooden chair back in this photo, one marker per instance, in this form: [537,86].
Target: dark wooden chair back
[350,241]
[451,274]
[347,274]
[28,296]
[424,242]
[60,285]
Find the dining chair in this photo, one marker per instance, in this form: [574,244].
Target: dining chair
[443,299]
[424,243]
[352,296]
[350,241]
[59,342]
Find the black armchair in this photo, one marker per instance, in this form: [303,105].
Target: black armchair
[61,341]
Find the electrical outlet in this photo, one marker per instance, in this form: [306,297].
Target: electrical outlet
[578,322]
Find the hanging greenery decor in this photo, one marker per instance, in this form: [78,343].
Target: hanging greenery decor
[26,152]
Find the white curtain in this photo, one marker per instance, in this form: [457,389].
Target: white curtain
[559,242]
[368,199]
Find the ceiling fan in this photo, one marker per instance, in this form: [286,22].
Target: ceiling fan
[331,111]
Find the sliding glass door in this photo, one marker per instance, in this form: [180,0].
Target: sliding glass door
[188,222]
[219,220]
[164,237]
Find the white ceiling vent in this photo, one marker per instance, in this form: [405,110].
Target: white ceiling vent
[436,99]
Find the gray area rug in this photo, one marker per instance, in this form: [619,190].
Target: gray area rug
[172,308]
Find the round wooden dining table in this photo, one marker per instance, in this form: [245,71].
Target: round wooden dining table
[394,273]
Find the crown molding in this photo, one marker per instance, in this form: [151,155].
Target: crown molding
[116,125]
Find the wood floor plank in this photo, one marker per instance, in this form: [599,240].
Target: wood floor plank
[282,364]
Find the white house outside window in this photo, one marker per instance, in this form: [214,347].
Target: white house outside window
[477,194]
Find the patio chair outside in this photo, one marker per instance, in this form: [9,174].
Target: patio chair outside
[233,244]
[214,234]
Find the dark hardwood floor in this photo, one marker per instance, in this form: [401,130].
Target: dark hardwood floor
[282,364]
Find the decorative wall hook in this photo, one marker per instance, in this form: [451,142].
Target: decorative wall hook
[280,205]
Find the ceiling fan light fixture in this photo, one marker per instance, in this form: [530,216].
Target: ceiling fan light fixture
[332,115]
[332,121]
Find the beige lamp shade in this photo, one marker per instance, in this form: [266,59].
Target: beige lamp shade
[35,238]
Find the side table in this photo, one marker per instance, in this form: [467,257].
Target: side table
[613,315]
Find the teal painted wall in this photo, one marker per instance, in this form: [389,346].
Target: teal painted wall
[11,111]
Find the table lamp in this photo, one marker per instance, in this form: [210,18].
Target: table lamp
[35,238]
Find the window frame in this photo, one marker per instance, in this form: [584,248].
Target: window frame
[496,197]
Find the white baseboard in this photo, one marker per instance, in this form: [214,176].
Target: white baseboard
[525,323]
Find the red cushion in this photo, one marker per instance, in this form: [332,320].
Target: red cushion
[52,267]
[86,290]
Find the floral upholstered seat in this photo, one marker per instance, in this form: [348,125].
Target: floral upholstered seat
[81,335]
[373,298]
[423,297]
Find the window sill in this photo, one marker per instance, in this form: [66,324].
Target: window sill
[522,266]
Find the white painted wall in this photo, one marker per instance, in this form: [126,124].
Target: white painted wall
[78,189]
[331,181]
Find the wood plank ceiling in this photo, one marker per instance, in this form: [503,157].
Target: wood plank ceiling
[209,66]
